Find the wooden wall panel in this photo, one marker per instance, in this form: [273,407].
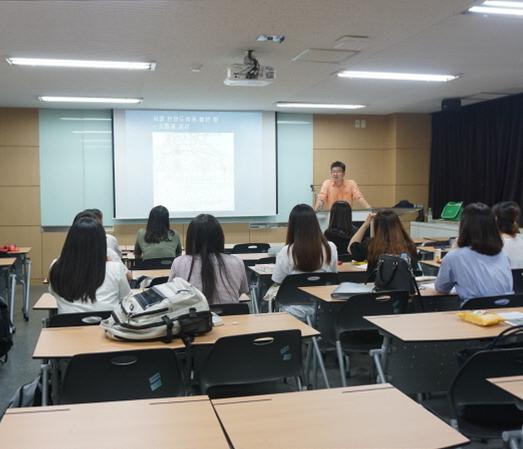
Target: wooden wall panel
[270,235]
[236,232]
[412,166]
[339,132]
[19,206]
[52,243]
[20,166]
[413,130]
[364,166]
[19,127]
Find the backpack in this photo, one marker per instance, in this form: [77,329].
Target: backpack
[163,312]
[28,395]
[395,273]
[6,338]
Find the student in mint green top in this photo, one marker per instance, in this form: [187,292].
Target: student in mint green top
[157,240]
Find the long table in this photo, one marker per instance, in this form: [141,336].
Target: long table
[419,351]
[370,417]
[171,423]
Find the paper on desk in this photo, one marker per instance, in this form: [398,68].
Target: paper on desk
[430,286]
[267,268]
[512,318]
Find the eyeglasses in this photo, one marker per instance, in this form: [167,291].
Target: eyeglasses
[337,171]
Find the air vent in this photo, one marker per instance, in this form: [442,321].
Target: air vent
[324,56]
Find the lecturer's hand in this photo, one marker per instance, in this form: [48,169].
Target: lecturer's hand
[369,219]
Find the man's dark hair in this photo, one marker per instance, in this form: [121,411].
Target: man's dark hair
[478,230]
[338,164]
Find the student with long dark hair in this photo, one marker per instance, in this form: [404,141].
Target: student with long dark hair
[221,277]
[306,249]
[478,266]
[82,279]
[112,242]
[157,240]
[340,229]
[508,214]
[389,237]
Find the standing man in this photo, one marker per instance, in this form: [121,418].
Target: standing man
[338,188]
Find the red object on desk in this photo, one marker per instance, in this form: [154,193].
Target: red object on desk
[8,248]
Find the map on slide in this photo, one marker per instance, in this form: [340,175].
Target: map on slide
[193,172]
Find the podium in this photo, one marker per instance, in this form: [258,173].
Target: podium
[360,215]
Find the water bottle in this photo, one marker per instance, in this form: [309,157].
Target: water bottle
[429,215]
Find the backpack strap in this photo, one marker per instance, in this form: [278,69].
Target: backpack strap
[169,332]
[514,331]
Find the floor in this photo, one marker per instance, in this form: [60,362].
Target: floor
[21,368]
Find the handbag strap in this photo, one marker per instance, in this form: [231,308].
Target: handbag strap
[393,273]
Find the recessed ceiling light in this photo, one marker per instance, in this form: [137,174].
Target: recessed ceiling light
[498,7]
[81,64]
[50,99]
[283,104]
[397,76]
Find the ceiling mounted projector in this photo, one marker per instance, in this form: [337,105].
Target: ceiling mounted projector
[250,73]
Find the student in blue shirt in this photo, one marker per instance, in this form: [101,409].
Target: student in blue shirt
[479,266]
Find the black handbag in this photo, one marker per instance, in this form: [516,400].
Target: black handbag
[395,273]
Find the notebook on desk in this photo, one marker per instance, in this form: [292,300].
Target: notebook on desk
[347,289]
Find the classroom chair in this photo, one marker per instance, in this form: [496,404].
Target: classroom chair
[493,302]
[153,264]
[252,364]
[78,319]
[359,277]
[354,333]
[481,409]
[243,248]
[517,275]
[123,375]
[232,308]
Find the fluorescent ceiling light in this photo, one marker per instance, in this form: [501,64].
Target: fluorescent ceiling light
[506,8]
[77,119]
[92,132]
[81,64]
[397,76]
[283,104]
[498,11]
[50,99]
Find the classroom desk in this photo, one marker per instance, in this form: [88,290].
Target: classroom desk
[23,276]
[369,416]
[419,349]
[150,273]
[64,342]
[511,384]
[169,423]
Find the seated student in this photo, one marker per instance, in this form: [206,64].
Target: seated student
[82,279]
[112,242]
[306,249]
[157,240]
[507,217]
[389,238]
[221,277]
[478,266]
[340,229]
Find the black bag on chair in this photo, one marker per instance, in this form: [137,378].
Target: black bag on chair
[395,273]
[6,338]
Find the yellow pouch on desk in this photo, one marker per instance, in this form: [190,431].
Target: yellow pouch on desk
[480,317]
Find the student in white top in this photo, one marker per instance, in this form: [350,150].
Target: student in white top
[508,214]
[82,279]
[306,249]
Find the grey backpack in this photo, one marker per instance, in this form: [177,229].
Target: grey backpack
[164,311]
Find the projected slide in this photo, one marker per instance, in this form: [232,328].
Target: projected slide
[201,165]
[192,162]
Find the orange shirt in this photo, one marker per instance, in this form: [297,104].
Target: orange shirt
[347,191]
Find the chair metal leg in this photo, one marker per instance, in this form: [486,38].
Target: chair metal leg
[306,368]
[12,290]
[298,383]
[254,299]
[27,289]
[380,358]
[319,359]
[45,383]
[514,438]
[341,363]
